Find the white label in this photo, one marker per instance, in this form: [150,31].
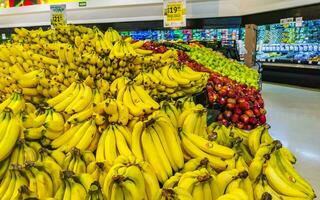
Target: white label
[298,19]
[283,21]
[289,20]
[58,14]
[3,35]
[298,24]
[174,13]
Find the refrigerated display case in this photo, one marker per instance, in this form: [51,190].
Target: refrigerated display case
[291,43]
[227,36]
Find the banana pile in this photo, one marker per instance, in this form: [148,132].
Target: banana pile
[172,81]
[89,115]
[44,63]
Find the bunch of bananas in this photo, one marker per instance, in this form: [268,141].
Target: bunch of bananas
[15,102]
[77,161]
[275,174]
[158,132]
[194,120]
[78,97]
[172,81]
[137,100]
[130,178]
[47,123]
[9,132]
[174,193]
[115,141]
[198,183]
[80,135]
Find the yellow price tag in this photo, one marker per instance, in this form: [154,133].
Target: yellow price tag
[57,19]
[174,11]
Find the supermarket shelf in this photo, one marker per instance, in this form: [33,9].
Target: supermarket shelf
[292,74]
[286,65]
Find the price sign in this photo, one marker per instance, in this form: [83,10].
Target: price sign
[174,12]
[58,15]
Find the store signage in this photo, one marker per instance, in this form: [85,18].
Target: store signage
[299,22]
[58,14]
[174,12]
[82,4]
[283,21]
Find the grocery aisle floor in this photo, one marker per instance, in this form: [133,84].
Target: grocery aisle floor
[294,116]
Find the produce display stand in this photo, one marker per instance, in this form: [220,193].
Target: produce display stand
[88,114]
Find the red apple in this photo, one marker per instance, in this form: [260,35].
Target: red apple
[231,93]
[220,117]
[217,87]
[248,127]
[240,125]
[262,119]
[249,113]
[261,102]
[241,100]
[223,92]
[237,110]
[231,100]
[253,120]
[235,118]
[227,114]
[244,105]
[225,122]
[244,118]
[263,111]
[222,101]
[230,106]
[257,111]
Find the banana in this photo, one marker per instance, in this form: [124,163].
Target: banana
[162,141]
[123,113]
[81,116]
[66,93]
[194,151]
[172,139]
[160,150]
[9,190]
[278,181]
[257,164]
[254,139]
[83,102]
[290,173]
[44,183]
[77,190]
[128,102]
[110,146]
[87,137]
[223,180]
[146,98]
[4,167]
[10,136]
[197,192]
[153,157]
[122,145]
[211,148]
[66,136]
[136,146]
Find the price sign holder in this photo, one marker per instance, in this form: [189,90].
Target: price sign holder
[174,12]
[58,15]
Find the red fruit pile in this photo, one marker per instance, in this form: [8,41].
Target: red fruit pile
[155,47]
[241,105]
[185,58]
